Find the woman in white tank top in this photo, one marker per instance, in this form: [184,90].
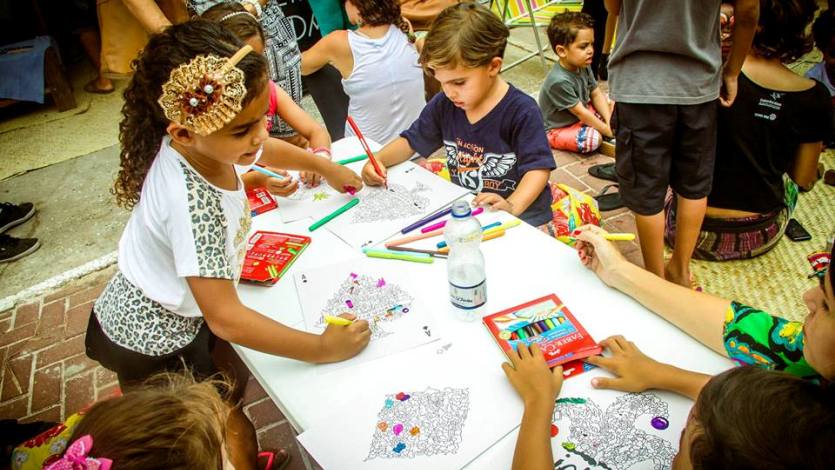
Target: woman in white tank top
[379,66]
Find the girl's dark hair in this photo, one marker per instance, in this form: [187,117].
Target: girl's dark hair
[143,121]
[823,29]
[753,418]
[382,12]
[241,23]
[782,31]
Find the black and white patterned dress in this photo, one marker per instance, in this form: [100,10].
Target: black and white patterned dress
[282,51]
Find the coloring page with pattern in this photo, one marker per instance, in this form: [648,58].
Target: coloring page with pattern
[412,193]
[603,429]
[309,201]
[374,290]
[426,412]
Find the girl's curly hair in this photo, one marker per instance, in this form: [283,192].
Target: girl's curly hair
[782,31]
[143,122]
[382,12]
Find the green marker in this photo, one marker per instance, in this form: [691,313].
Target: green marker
[352,159]
[333,215]
[404,256]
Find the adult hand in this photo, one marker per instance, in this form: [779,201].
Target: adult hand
[528,373]
[344,342]
[635,370]
[281,187]
[597,253]
[496,202]
[370,176]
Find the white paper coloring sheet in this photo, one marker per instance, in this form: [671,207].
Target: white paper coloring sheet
[378,291]
[316,202]
[430,410]
[412,194]
[604,429]
[310,201]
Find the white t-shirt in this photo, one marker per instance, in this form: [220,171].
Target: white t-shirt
[182,226]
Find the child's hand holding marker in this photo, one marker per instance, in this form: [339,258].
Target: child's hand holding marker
[281,187]
[371,177]
[496,202]
[341,178]
[341,341]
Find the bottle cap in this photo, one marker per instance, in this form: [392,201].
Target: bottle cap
[461,209]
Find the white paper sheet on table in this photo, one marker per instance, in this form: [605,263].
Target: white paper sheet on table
[322,200]
[412,194]
[449,417]
[374,290]
[310,201]
[599,429]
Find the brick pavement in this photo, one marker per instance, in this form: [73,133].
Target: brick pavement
[46,376]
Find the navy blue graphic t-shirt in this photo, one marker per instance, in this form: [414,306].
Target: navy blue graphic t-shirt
[493,154]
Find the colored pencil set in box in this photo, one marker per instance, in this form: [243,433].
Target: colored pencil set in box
[270,254]
[547,322]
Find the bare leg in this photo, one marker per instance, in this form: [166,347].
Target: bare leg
[651,234]
[689,216]
[240,433]
[91,43]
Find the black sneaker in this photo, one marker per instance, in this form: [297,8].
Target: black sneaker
[12,248]
[13,214]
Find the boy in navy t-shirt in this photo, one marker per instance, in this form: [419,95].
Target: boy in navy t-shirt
[493,133]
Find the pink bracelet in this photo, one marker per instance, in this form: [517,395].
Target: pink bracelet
[322,150]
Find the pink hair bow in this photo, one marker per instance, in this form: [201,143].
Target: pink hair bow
[75,458]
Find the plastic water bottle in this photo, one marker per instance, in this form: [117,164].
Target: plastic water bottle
[465,266]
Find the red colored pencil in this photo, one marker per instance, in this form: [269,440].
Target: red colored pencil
[367,150]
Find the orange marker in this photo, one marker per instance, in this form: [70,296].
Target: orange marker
[367,150]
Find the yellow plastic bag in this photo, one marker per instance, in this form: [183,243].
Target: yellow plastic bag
[571,209]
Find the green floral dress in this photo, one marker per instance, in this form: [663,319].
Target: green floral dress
[753,337]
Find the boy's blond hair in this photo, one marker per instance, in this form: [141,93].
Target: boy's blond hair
[465,34]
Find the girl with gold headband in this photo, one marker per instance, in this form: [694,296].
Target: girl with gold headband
[194,109]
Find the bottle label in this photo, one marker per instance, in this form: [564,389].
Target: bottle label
[468,297]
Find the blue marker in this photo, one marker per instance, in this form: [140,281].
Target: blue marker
[267,172]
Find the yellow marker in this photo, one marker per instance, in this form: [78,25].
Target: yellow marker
[332,320]
[620,237]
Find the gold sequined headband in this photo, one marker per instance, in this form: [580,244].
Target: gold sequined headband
[206,93]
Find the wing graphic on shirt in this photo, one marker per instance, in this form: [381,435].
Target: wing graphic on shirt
[496,166]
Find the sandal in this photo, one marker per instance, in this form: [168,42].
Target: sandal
[610,201]
[605,171]
[91,87]
[276,460]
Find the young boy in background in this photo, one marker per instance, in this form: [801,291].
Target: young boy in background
[492,132]
[575,110]
[665,74]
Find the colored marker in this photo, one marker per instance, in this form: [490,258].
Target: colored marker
[436,254]
[521,333]
[620,237]
[333,215]
[426,220]
[388,254]
[484,229]
[358,158]
[334,320]
[373,160]
[267,172]
[442,224]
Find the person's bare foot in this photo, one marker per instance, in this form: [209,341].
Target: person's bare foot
[99,85]
[678,275]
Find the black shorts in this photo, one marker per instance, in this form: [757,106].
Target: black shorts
[660,145]
[133,367]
